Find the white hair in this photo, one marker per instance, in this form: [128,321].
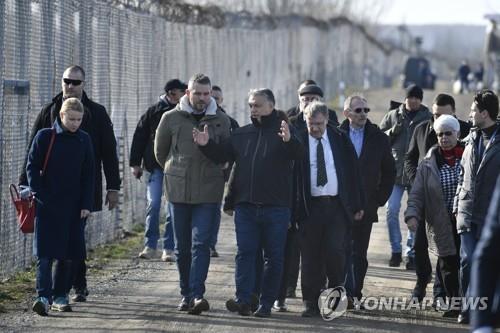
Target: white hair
[446,122]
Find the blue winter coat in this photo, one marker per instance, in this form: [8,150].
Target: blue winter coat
[62,192]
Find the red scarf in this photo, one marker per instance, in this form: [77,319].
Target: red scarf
[451,156]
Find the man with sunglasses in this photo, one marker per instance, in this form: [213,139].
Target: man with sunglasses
[378,172]
[480,164]
[424,137]
[399,125]
[97,124]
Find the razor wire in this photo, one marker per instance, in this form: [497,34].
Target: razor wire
[128,54]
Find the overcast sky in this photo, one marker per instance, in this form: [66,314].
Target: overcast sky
[438,11]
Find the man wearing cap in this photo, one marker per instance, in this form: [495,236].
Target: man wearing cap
[142,157]
[399,125]
[309,92]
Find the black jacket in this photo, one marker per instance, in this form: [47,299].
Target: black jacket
[424,138]
[298,121]
[142,149]
[97,124]
[377,168]
[485,271]
[350,188]
[263,162]
[234,123]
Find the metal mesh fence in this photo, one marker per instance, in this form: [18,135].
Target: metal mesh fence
[128,54]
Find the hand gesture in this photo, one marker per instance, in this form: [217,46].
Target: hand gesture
[201,138]
[412,224]
[284,132]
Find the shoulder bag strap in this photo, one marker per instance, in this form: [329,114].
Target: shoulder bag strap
[52,138]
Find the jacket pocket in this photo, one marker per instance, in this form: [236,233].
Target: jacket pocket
[464,211]
[175,183]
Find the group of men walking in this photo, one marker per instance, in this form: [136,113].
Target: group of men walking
[300,185]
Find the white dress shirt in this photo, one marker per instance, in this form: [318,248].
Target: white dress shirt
[331,187]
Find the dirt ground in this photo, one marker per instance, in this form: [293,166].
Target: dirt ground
[141,296]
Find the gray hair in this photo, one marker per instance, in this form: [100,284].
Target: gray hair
[348,100]
[264,92]
[446,122]
[314,108]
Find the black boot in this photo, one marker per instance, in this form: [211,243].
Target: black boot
[395,260]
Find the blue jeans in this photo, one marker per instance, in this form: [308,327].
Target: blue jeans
[260,228]
[52,286]
[392,217]
[152,233]
[468,242]
[193,225]
[215,231]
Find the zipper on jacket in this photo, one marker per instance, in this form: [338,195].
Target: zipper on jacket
[252,171]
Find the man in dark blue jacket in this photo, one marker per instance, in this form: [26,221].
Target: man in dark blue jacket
[142,157]
[263,153]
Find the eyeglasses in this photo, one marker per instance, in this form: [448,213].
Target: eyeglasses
[447,133]
[359,110]
[73,82]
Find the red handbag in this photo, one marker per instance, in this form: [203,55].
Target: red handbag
[26,207]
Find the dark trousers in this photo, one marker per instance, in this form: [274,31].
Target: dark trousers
[356,270]
[52,283]
[423,265]
[322,237]
[293,253]
[449,267]
[291,264]
[77,269]
[79,276]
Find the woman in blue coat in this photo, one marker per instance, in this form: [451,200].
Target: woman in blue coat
[64,194]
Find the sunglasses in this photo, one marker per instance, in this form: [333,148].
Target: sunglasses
[359,110]
[447,133]
[73,82]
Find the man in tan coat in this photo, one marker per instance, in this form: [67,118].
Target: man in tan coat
[194,185]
